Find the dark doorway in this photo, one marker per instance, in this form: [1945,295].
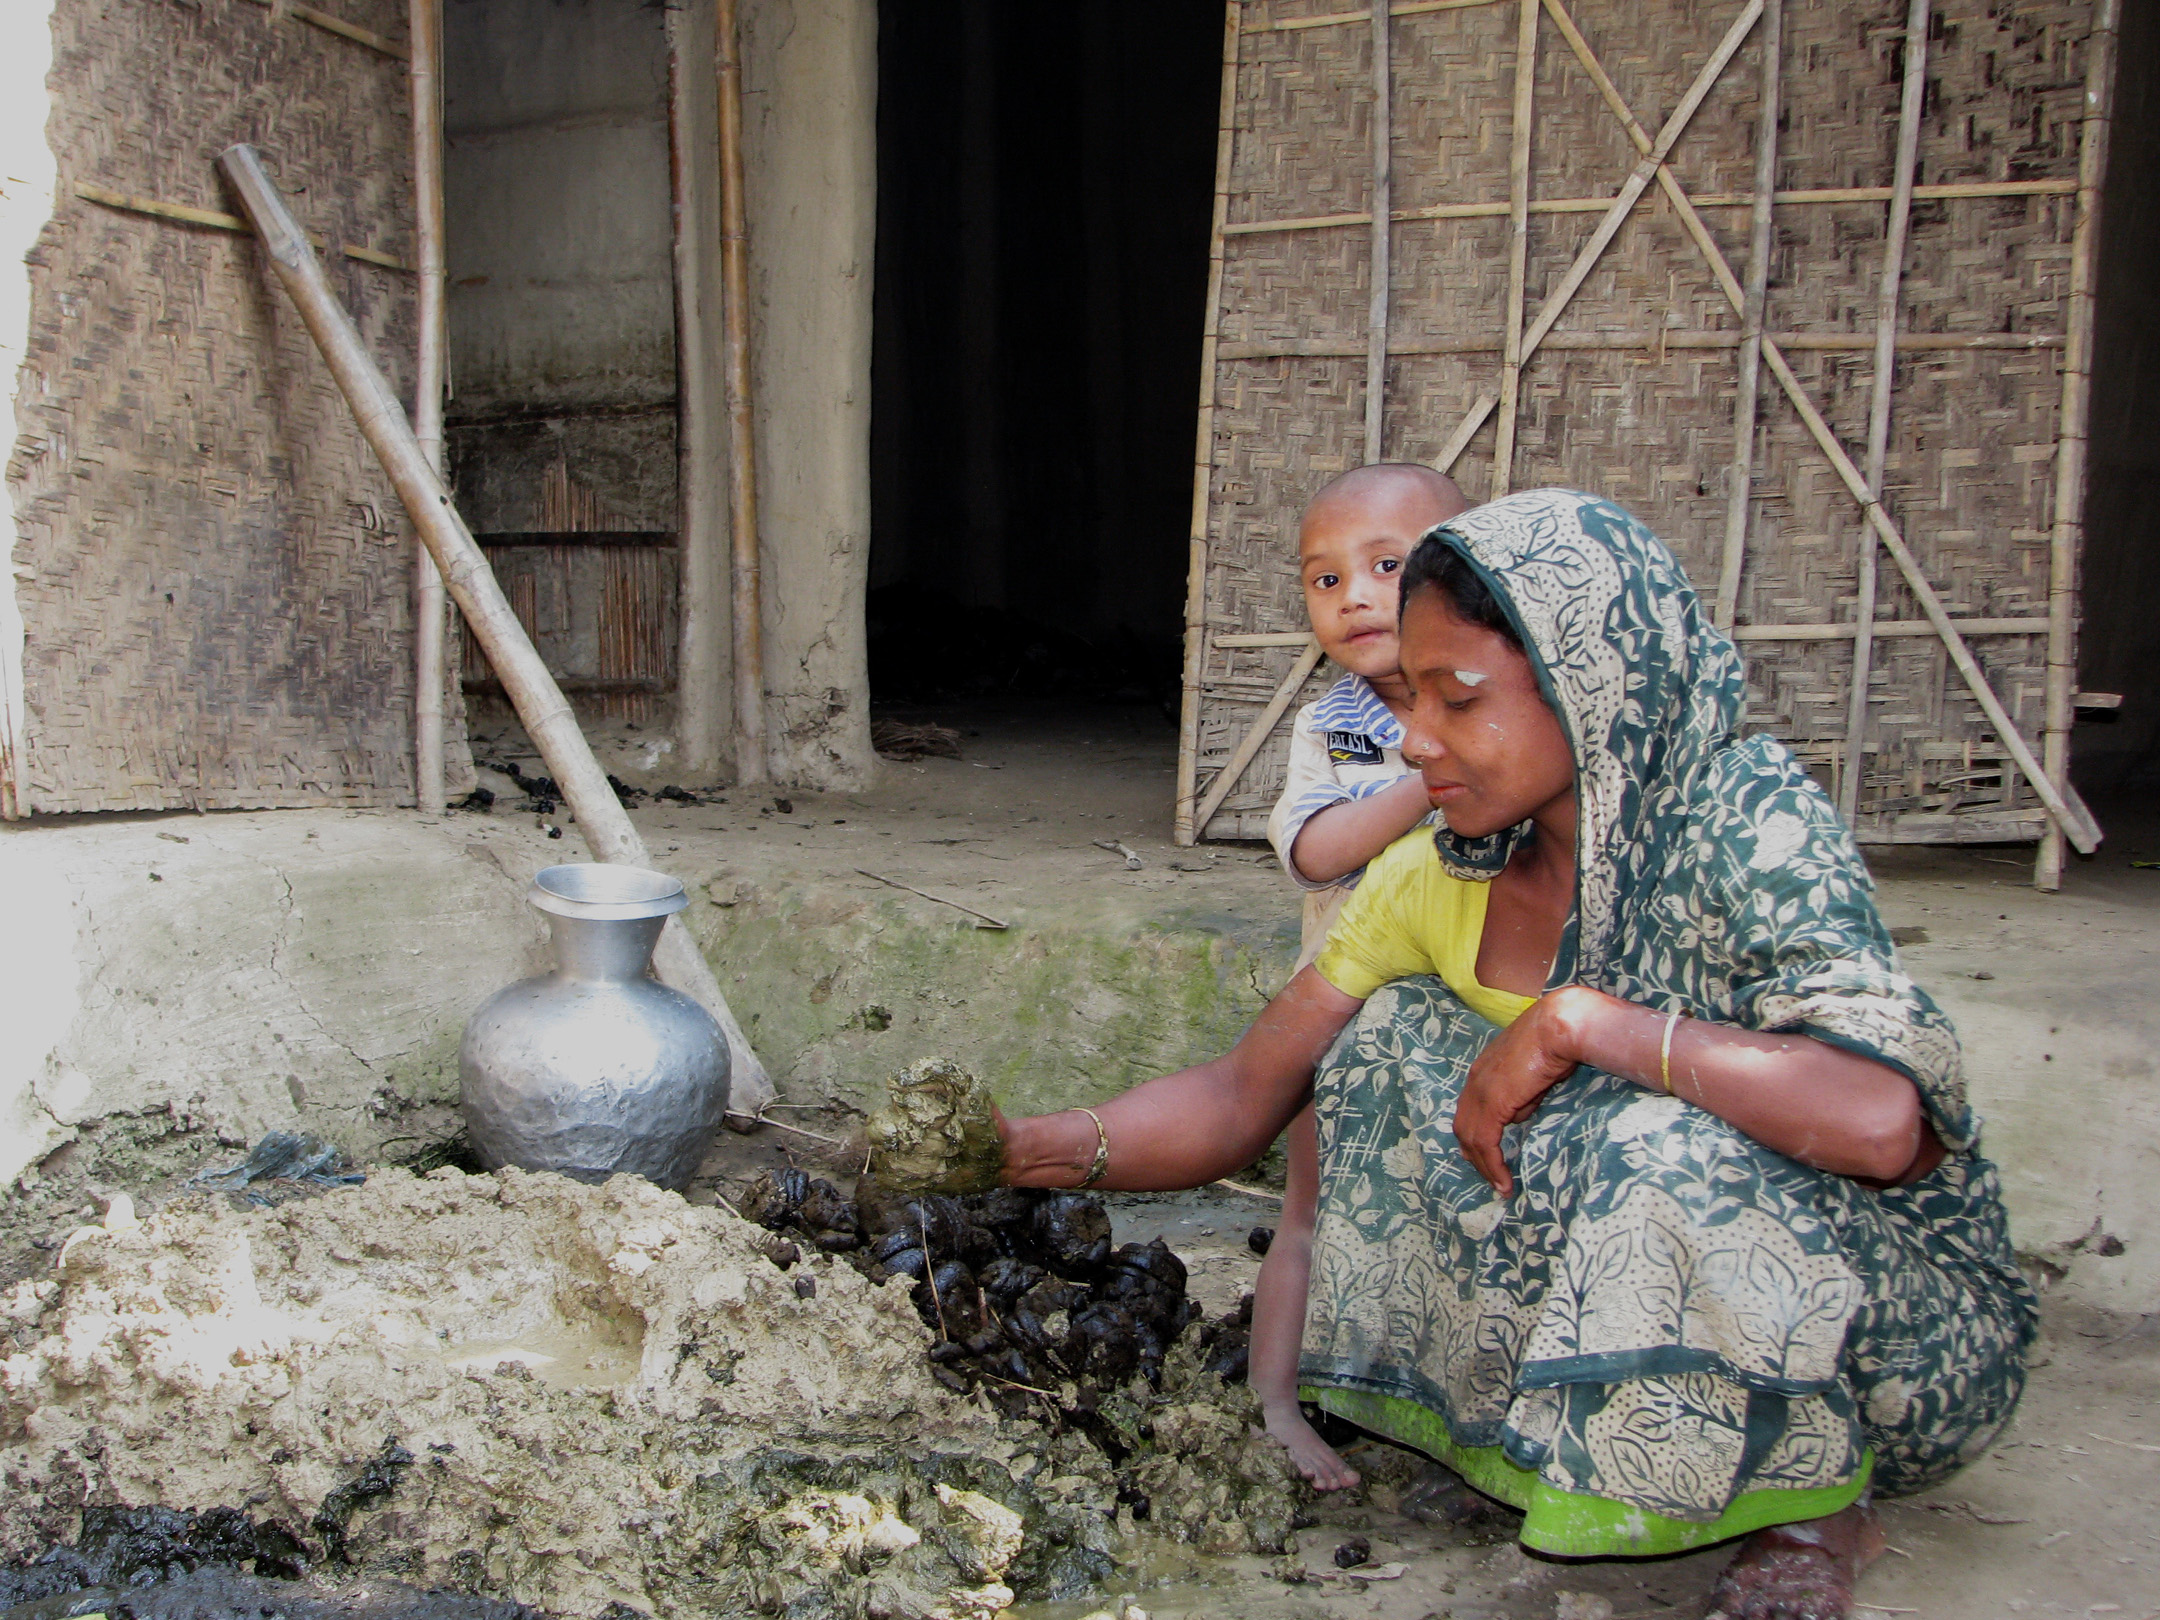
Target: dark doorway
[2116,753]
[1045,183]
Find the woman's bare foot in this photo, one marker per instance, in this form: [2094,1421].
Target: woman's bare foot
[1803,1571]
[1314,1457]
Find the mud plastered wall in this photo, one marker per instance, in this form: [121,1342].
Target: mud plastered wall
[212,572]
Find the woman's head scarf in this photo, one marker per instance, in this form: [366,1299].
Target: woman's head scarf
[1713,876]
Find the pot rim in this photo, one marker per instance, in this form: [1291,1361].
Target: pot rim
[597,892]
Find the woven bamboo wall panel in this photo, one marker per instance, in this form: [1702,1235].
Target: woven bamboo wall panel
[1635,392]
[213,572]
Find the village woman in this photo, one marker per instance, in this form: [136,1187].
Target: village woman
[1651,1201]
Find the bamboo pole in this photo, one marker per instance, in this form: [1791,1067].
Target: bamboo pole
[429,602]
[1740,497]
[547,716]
[2068,534]
[1511,354]
[747,617]
[1185,828]
[701,687]
[1654,343]
[1376,326]
[1889,287]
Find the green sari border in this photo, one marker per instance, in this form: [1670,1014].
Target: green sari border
[1569,1524]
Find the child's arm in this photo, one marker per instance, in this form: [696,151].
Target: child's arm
[1339,840]
[1278,1318]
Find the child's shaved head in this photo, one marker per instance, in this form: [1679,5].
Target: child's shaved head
[1392,481]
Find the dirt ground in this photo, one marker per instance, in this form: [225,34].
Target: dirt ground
[2054,995]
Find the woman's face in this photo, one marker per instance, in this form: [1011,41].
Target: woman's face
[1491,752]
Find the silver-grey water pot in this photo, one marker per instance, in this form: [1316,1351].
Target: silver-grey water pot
[597,1067]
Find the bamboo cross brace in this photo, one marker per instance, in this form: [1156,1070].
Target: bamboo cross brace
[1889,287]
[2063,804]
[1184,827]
[1739,496]
[1249,745]
[1616,214]
[335,25]
[1511,358]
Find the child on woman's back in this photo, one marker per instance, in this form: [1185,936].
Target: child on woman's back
[1349,795]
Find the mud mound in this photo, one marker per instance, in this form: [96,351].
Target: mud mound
[565,1396]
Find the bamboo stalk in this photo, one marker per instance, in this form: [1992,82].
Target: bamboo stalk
[2063,802]
[750,762]
[1885,627]
[1654,343]
[1511,354]
[1740,497]
[335,25]
[1376,323]
[1465,431]
[1888,293]
[1185,828]
[1409,8]
[1950,191]
[424,19]
[701,688]
[547,716]
[2067,537]
[184,214]
[1257,733]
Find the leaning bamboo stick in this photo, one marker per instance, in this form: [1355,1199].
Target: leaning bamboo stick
[1376,324]
[1889,287]
[1185,828]
[547,716]
[424,18]
[1258,732]
[2067,536]
[748,611]
[1740,497]
[335,25]
[1511,354]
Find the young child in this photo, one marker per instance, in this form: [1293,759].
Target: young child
[1349,795]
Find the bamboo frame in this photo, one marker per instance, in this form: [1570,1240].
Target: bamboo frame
[2066,540]
[747,615]
[1512,355]
[702,686]
[547,716]
[185,214]
[1256,735]
[1949,191]
[430,604]
[1656,343]
[1407,8]
[2063,802]
[1747,395]
[1889,291]
[1382,270]
[1185,827]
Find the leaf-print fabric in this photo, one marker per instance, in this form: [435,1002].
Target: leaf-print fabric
[1665,1313]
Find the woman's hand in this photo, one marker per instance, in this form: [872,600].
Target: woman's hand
[1511,1076]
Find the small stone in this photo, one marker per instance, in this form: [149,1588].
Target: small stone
[783,1255]
[1982,973]
[806,1287]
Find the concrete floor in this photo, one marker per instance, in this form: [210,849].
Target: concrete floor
[184,982]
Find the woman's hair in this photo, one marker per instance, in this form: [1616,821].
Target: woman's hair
[1438,565]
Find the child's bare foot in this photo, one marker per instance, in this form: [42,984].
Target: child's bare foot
[1314,1457]
[1801,1571]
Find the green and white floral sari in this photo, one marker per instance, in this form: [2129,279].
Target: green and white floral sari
[1670,1334]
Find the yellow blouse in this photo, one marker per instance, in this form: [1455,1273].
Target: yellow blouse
[1410,916]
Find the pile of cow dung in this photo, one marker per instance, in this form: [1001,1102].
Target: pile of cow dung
[523,1388]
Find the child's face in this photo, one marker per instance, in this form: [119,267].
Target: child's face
[1350,557]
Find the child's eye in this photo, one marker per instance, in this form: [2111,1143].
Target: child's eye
[1387,565]
[1326,582]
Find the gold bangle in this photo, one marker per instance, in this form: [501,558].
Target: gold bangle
[1101,1166]
[1664,1060]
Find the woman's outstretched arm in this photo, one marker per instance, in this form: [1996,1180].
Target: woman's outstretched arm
[1805,1098]
[1199,1124]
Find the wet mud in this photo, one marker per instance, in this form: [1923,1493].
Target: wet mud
[523,1390]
